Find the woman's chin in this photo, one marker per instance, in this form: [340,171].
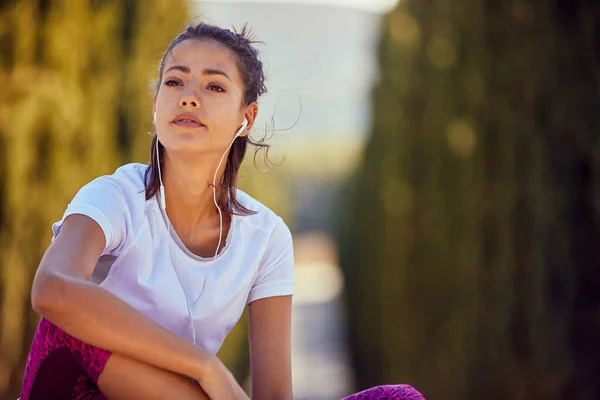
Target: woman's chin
[188,143]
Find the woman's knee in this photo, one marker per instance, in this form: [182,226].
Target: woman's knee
[125,378]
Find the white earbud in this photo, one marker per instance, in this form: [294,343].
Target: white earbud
[244,125]
[154,118]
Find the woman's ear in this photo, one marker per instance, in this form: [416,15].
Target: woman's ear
[250,114]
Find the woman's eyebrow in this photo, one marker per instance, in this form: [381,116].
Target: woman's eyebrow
[207,71]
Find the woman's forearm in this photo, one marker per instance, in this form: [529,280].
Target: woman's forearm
[95,316]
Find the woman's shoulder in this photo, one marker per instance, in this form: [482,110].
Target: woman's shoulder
[127,181]
[121,191]
[114,201]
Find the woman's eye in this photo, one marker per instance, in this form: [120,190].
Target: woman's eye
[216,88]
[172,82]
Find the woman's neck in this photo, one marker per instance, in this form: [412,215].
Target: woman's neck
[189,193]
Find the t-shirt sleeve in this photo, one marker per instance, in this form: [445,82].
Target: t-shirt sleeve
[103,201]
[275,275]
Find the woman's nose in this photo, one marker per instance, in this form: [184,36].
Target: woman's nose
[188,101]
[189,96]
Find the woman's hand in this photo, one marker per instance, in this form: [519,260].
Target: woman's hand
[218,382]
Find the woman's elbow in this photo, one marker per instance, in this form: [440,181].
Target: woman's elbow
[47,292]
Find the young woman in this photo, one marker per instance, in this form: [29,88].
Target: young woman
[151,267]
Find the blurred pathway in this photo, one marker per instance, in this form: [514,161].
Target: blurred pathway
[320,361]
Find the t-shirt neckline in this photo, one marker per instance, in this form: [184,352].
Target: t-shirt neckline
[179,243]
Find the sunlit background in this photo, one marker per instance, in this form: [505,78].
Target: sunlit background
[439,171]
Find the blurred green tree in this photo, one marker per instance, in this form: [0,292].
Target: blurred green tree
[470,237]
[74,104]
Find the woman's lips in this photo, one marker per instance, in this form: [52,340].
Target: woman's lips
[187,123]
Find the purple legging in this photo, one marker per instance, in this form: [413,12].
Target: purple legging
[387,392]
[62,367]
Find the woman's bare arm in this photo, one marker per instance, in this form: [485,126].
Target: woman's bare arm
[270,347]
[63,294]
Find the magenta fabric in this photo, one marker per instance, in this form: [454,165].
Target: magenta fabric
[62,367]
[387,392]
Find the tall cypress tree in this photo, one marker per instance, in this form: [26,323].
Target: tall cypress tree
[470,238]
[74,104]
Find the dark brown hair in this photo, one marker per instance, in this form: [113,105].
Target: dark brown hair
[251,71]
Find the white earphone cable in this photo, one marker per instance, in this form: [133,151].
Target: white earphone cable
[163,204]
[215,198]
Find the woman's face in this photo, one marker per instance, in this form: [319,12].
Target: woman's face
[198,105]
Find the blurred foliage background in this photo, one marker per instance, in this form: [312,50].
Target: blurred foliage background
[470,241]
[467,232]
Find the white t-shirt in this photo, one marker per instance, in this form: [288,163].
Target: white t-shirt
[136,265]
